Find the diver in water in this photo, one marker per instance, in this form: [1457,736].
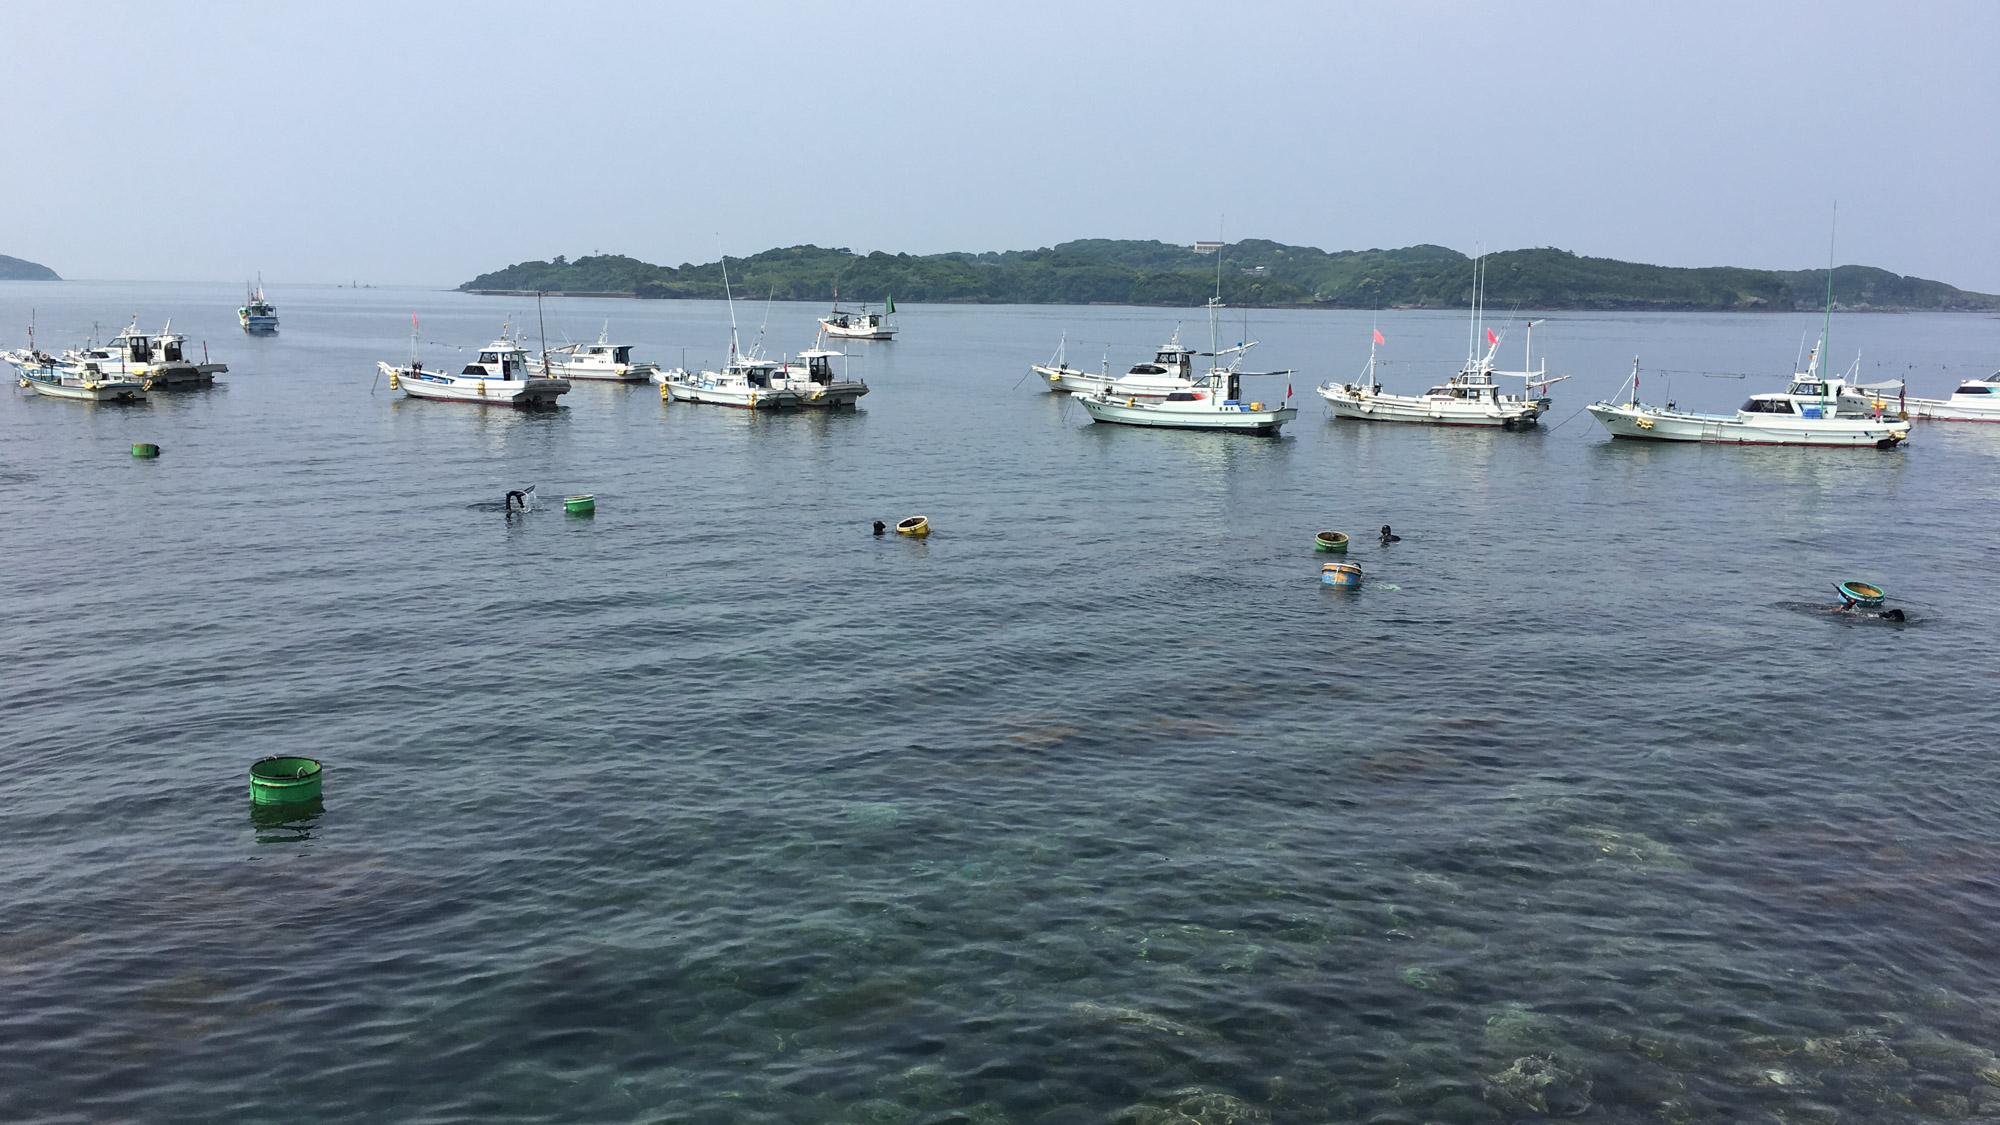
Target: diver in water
[514,496]
[1389,537]
[880,527]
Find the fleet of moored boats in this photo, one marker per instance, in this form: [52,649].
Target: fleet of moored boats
[1814,409]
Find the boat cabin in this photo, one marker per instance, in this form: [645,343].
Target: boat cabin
[756,372]
[500,361]
[1469,392]
[1794,402]
[819,366]
[1989,387]
[1170,360]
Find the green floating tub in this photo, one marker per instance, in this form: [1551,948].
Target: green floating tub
[145,449]
[582,505]
[284,781]
[1330,541]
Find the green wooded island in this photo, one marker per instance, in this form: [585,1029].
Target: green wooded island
[1254,272]
[15,269]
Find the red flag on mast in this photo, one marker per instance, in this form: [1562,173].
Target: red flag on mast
[1491,338]
[1379,338]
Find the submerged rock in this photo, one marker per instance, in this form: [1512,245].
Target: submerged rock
[1538,1084]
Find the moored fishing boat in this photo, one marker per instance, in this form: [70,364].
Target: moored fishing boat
[602,360]
[503,375]
[158,360]
[39,372]
[746,382]
[1214,402]
[1171,370]
[1807,412]
[1470,398]
[811,377]
[1975,400]
[257,316]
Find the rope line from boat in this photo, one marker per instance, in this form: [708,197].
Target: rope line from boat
[1565,421]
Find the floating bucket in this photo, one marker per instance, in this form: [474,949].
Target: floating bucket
[145,449]
[1330,541]
[583,505]
[284,781]
[1343,574]
[915,525]
[1861,593]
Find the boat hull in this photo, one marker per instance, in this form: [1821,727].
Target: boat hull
[1365,406]
[1201,415]
[259,325]
[832,396]
[859,333]
[631,373]
[1642,423]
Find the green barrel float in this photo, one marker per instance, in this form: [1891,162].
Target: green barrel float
[583,504]
[145,449]
[1330,541]
[284,781]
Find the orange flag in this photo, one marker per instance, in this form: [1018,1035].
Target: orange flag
[1379,337]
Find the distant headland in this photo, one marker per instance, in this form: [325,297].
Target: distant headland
[1254,272]
[15,269]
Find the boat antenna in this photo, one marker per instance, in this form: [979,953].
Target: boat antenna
[1215,302]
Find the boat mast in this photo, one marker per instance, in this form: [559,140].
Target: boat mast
[542,327]
[732,305]
[1826,331]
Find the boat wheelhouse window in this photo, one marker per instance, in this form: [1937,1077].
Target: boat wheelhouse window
[1147,369]
[139,349]
[621,355]
[1804,388]
[1975,389]
[171,350]
[489,357]
[1767,406]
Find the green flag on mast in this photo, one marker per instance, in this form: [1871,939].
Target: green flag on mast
[891,310]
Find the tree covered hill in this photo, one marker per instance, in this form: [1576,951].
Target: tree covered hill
[1252,272]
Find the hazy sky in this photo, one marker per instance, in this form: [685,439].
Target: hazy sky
[419,142]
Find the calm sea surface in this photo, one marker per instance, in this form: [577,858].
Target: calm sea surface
[1095,805]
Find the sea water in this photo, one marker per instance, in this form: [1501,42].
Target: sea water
[1095,804]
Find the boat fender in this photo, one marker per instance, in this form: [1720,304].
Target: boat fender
[394,384]
[24,382]
[148,384]
[1130,401]
[1256,406]
[1643,423]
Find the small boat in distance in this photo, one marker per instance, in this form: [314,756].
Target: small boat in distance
[258,316]
[503,375]
[601,360]
[812,378]
[863,325]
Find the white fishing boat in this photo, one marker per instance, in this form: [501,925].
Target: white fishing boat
[1171,370]
[156,360]
[1472,397]
[748,382]
[257,316]
[1975,400]
[503,375]
[602,360]
[862,325]
[1214,402]
[1813,409]
[1807,412]
[810,375]
[40,372]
